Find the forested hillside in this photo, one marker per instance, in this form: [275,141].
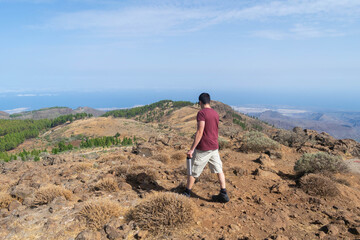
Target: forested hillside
[15,132]
[151,112]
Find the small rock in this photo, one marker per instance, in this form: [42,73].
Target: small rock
[266,174]
[330,229]
[265,161]
[14,205]
[279,188]
[88,235]
[355,230]
[112,232]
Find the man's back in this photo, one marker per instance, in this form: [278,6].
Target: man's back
[209,140]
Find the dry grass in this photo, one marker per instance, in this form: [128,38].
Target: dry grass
[318,185]
[99,212]
[164,158]
[163,213]
[82,167]
[107,184]
[178,156]
[5,200]
[48,193]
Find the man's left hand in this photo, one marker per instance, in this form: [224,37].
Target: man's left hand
[190,153]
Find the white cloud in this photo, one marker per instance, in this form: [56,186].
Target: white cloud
[26,95]
[17,110]
[285,111]
[175,17]
[298,31]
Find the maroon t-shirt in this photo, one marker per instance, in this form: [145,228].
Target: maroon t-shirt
[209,140]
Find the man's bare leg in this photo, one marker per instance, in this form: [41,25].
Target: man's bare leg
[190,182]
[221,177]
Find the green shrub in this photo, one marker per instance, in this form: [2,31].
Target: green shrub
[319,162]
[258,142]
[318,185]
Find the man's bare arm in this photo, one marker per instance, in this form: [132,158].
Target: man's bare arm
[198,136]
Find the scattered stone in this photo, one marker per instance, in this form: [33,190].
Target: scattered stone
[279,188]
[355,230]
[265,161]
[266,174]
[88,235]
[22,191]
[330,229]
[14,205]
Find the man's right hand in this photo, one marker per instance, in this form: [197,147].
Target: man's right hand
[190,153]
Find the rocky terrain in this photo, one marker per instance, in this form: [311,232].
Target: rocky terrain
[90,193]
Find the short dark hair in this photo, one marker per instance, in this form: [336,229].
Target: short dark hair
[204,98]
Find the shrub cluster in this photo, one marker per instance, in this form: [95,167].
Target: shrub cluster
[163,213]
[318,185]
[99,212]
[258,142]
[319,162]
[5,200]
[290,139]
[48,193]
[107,184]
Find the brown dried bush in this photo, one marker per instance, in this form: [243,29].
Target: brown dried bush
[164,158]
[82,166]
[223,144]
[178,156]
[318,185]
[162,213]
[48,193]
[107,184]
[5,200]
[99,212]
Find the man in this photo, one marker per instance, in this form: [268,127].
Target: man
[205,148]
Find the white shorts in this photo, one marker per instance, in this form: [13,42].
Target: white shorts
[201,158]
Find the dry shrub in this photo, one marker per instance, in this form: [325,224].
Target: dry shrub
[107,184]
[320,185]
[164,158]
[320,162]
[178,156]
[81,167]
[121,171]
[291,138]
[5,200]
[99,212]
[163,213]
[223,144]
[48,193]
[258,142]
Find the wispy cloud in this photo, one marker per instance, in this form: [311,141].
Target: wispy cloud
[177,18]
[36,95]
[17,110]
[298,31]
[26,95]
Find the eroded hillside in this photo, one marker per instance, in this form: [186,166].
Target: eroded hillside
[54,198]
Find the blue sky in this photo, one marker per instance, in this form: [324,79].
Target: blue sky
[296,46]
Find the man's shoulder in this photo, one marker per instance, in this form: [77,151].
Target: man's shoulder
[208,112]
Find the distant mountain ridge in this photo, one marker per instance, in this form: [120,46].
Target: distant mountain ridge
[51,113]
[340,125]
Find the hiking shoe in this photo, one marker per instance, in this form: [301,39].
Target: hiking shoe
[186,194]
[221,197]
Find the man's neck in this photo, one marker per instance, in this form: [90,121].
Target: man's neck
[206,106]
